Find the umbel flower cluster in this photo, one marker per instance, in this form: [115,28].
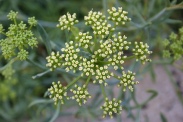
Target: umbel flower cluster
[7,83]
[18,38]
[95,55]
[174,45]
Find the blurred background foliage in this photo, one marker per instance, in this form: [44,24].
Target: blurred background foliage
[22,92]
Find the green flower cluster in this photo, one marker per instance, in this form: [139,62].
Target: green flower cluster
[57,92]
[80,94]
[18,37]
[54,60]
[111,107]
[8,82]
[96,54]
[174,45]
[67,21]
[118,16]
[127,80]
[7,91]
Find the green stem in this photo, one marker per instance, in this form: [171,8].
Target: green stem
[10,62]
[3,33]
[130,57]
[40,74]
[15,22]
[30,27]
[104,62]
[67,35]
[104,2]
[88,79]
[74,81]
[103,90]
[179,6]
[115,76]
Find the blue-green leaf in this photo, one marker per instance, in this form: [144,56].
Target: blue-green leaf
[39,101]
[45,38]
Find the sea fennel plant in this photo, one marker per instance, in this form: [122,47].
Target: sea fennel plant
[173,45]
[95,56]
[18,37]
[14,45]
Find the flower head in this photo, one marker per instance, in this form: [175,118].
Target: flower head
[22,55]
[98,23]
[141,51]
[111,107]
[12,15]
[57,92]
[118,16]
[80,94]
[127,80]
[67,21]
[32,21]
[70,56]
[18,38]
[54,60]
[85,40]
[174,45]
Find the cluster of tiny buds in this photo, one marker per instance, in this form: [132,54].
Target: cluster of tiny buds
[102,74]
[127,80]
[1,28]
[70,57]
[103,53]
[57,92]
[120,43]
[87,66]
[32,21]
[84,40]
[173,45]
[67,21]
[80,94]
[18,37]
[22,55]
[12,15]
[140,51]
[111,107]
[118,15]
[54,60]
[98,23]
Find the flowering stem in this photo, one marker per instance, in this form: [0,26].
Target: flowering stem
[104,62]
[130,57]
[30,27]
[88,79]
[11,62]
[40,74]
[89,50]
[67,35]
[103,91]
[74,81]
[3,33]
[15,22]
[117,77]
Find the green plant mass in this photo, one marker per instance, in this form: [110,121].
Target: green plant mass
[95,55]
[174,45]
[91,60]
[18,38]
